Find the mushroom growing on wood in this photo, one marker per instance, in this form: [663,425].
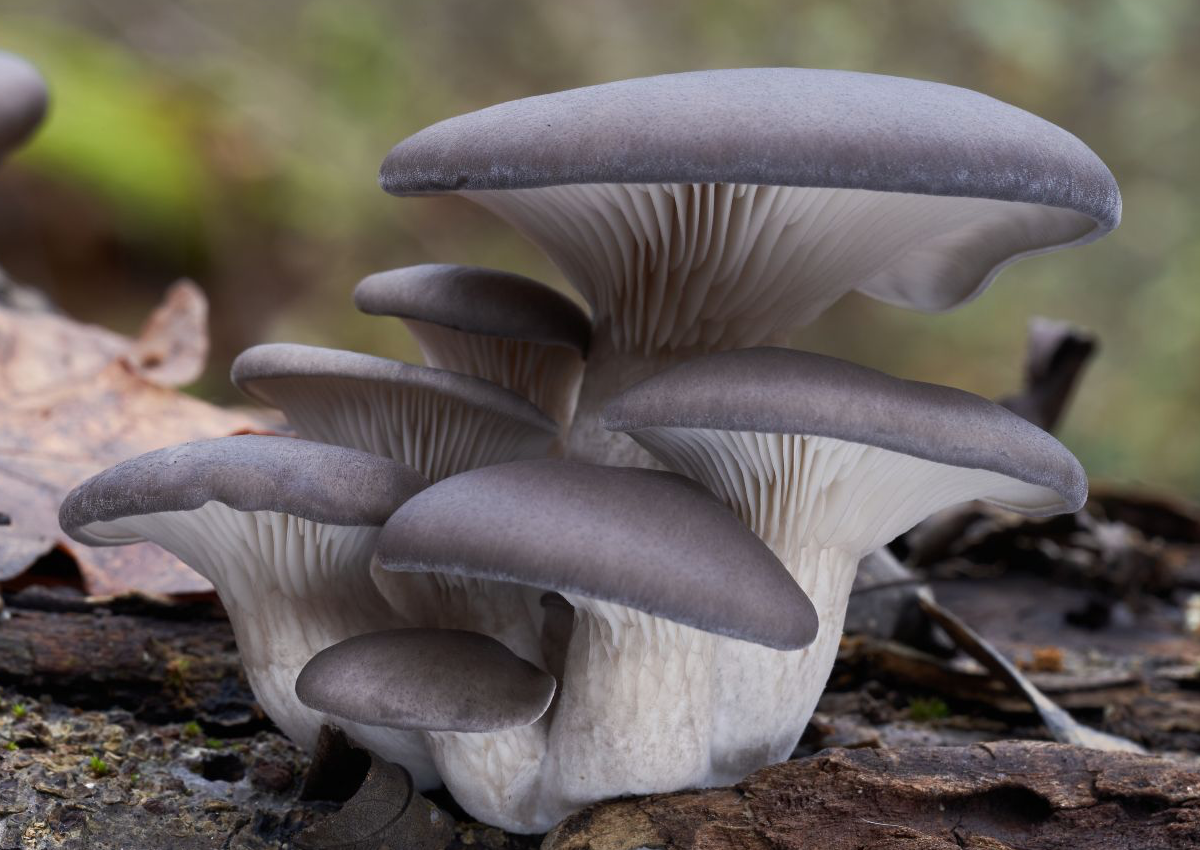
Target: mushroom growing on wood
[284,529]
[503,327]
[719,209]
[23,101]
[655,567]
[827,461]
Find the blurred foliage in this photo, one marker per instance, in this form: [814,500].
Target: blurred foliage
[238,143]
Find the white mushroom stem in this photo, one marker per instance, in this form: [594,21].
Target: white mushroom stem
[432,433]
[547,375]
[820,504]
[607,372]
[510,613]
[291,588]
[634,715]
[500,778]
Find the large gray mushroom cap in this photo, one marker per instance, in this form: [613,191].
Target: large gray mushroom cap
[313,481]
[764,126]
[436,680]
[23,100]
[256,368]
[1020,184]
[476,300]
[648,540]
[781,391]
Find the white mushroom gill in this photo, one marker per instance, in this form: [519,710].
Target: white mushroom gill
[291,588]
[711,266]
[432,433]
[673,271]
[547,375]
[820,504]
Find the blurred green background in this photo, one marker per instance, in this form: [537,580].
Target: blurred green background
[238,142]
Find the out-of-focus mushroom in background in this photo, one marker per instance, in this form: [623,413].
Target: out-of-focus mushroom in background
[23,101]
[721,209]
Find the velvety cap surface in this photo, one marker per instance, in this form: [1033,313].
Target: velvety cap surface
[766,126]
[648,540]
[436,680]
[781,391]
[476,300]
[313,481]
[22,100]
[256,367]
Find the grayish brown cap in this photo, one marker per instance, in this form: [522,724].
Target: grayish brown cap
[764,126]
[256,367]
[781,391]
[435,680]
[648,540]
[313,481]
[476,300]
[23,100]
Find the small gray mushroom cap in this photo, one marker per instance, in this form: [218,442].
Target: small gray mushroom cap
[764,126]
[434,680]
[255,369]
[476,300]
[782,391]
[23,100]
[648,540]
[313,481]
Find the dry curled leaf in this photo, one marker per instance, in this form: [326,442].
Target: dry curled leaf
[75,399]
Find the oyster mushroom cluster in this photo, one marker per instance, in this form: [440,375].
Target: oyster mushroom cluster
[579,555]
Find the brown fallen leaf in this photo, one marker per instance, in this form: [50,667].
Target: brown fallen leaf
[75,399]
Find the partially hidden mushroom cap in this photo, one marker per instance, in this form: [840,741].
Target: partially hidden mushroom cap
[313,481]
[476,300]
[652,541]
[435,680]
[23,100]
[255,369]
[782,391]
[764,126]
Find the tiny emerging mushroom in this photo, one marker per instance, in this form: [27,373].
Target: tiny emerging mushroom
[654,567]
[285,530]
[23,101]
[827,461]
[503,327]
[720,209]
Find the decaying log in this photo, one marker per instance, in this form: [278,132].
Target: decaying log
[1014,794]
[160,668]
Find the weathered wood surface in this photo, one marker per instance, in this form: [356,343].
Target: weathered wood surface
[1015,794]
[179,668]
